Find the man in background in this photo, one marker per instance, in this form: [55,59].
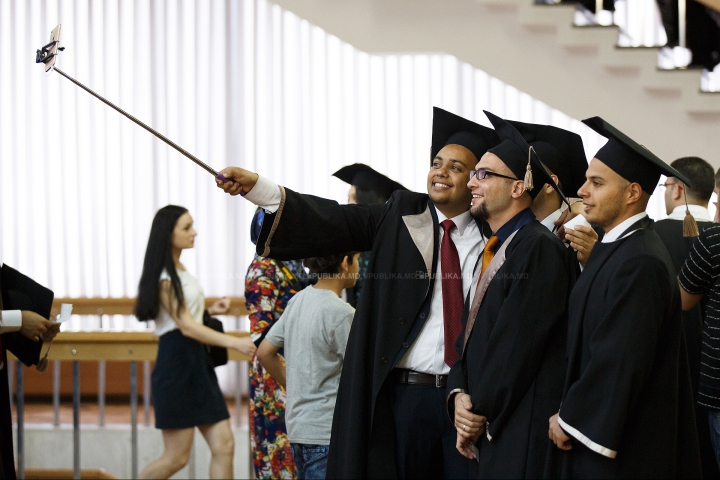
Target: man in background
[670,230]
[367,186]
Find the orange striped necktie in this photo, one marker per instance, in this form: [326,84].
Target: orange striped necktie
[489,252]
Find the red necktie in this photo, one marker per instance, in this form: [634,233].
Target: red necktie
[452,292]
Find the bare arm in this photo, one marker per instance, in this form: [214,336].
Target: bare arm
[191,329]
[689,300]
[271,361]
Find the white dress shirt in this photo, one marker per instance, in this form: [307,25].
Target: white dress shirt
[265,194]
[615,233]
[427,353]
[699,213]
[549,221]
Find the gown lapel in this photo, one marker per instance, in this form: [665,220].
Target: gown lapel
[422,231]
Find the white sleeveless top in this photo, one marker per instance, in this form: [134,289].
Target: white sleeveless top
[194,301]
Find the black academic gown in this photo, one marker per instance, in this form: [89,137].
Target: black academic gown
[628,385]
[670,232]
[514,363]
[402,236]
[28,352]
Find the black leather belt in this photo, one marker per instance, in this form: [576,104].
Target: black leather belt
[416,378]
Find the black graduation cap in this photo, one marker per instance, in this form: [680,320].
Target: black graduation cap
[632,161]
[451,129]
[636,164]
[521,158]
[20,292]
[561,151]
[367,178]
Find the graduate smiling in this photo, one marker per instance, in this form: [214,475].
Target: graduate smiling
[510,373]
[390,419]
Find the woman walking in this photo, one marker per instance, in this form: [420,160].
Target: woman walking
[185,389]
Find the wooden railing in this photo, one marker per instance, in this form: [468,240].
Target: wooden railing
[115,346]
[125,306]
[100,347]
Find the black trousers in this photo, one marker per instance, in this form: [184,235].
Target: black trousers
[703,30]
[425,437]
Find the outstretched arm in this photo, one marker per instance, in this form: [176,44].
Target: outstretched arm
[191,329]
[242,180]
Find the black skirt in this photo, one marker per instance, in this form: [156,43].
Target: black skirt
[185,389]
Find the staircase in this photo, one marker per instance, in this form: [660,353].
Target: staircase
[537,49]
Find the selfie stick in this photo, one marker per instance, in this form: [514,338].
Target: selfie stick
[47,53]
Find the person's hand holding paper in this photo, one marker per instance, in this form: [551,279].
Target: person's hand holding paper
[581,237]
[33,325]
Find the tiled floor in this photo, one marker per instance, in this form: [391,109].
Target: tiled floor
[115,413]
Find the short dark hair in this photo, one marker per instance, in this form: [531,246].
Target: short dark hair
[701,176]
[367,196]
[717,179]
[327,265]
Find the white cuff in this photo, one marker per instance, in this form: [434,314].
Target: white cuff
[586,441]
[10,320]
[265,194]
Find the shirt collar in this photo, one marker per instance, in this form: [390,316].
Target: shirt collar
[461,221]
[615,233]
[549,221]
[698,212]
[519,220]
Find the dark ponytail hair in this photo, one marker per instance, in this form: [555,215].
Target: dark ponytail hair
[158,256]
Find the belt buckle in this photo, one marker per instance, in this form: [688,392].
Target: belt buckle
[437,381]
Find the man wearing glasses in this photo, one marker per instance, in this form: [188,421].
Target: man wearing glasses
[512,352]
[670,230]
[390,419]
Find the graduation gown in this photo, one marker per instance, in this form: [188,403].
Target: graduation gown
[627,392]
[402,237]
[28,352]
[513,365]
[670,232]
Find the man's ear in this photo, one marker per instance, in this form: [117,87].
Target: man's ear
[345,265]
[678,193]
[518,189]
[633,193]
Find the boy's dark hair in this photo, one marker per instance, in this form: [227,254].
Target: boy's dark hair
[717,179]
[327,265]
[701,176]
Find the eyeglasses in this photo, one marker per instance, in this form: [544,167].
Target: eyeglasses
[482,174]
[667,184]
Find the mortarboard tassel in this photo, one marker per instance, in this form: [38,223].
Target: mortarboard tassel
[690,227]
[528,173]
